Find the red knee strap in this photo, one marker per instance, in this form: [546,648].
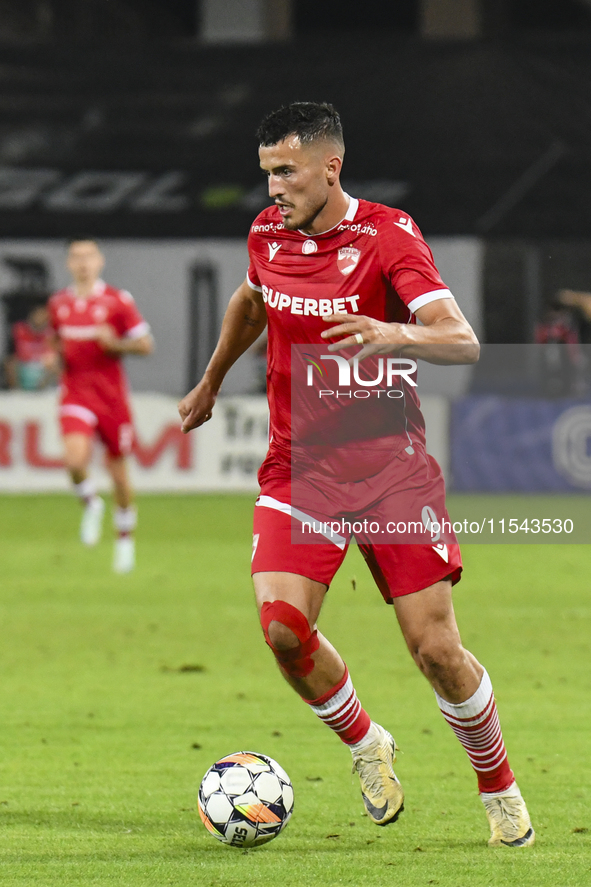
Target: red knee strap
[298,661]
[286,614]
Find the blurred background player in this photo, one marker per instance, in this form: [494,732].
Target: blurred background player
[580,305]
[95,325]
[562,359]
[33,362]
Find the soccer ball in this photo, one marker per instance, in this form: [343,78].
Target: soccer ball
[245,799]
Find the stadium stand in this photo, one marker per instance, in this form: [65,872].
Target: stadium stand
[136,138]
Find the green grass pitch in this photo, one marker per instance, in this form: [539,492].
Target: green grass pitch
[105,737]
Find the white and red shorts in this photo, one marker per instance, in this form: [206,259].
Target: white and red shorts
[111,422]
[394,497]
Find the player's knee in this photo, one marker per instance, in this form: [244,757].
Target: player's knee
[436,656]
[280,637]
[76,459]
[76,466]
[287,632]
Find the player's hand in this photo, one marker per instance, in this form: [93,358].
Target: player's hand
[376,336]
[51,361]
[576,299]
[107,338]
[196,408]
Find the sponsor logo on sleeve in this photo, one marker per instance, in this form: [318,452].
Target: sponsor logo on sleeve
[406,225]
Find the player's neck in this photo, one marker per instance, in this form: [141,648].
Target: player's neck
[333,212]
[84,288]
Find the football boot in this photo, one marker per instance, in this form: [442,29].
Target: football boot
[510,825]
[124,555]
[380,789]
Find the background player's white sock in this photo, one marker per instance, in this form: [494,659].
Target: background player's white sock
[125,520]
[86,491]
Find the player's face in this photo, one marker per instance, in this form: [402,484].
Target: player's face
[300,179]
[85,261]
[39,317]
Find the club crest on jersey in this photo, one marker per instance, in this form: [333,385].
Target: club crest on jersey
[347,259]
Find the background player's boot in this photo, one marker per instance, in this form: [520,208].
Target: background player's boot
[381,792]
[91,525]
[509,821]
[124,554]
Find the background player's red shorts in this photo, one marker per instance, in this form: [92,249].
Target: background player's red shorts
[279,542]
[113,426]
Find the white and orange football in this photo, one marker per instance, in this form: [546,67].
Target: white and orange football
[245,799]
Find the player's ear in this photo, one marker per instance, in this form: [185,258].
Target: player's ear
[334,165]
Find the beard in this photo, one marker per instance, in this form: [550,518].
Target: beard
[310,213]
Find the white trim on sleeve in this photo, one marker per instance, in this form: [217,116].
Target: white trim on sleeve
[259,289]
[137,331]
[433,296]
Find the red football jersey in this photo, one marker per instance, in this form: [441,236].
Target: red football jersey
[89,372]
[31,344]
[375,262]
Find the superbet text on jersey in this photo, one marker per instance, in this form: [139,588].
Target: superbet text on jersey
[93,386]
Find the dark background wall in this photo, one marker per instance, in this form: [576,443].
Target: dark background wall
[119,117]
[165,19]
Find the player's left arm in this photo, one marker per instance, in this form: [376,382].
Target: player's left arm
[110,342]
[128,333]
[444,337]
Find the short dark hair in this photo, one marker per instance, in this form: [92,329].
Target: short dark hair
[82,238]
[306,120]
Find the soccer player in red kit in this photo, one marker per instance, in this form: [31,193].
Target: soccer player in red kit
[96,324]
[33,363]
[325,266]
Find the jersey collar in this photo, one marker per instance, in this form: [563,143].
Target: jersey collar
[97,290]
[348,217]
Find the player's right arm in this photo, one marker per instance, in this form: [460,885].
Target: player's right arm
[55,340]
[244,321]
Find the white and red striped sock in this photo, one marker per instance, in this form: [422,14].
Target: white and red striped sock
[86,491]
[341,710]
[125,520]
[476,724]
